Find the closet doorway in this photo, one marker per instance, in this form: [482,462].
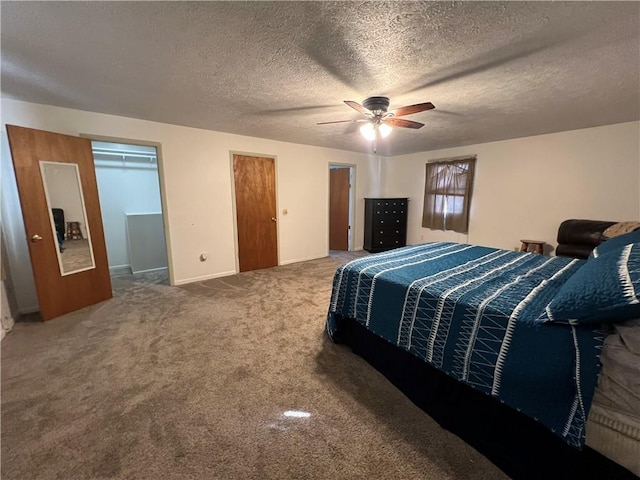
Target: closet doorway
[341,179]
[131,203]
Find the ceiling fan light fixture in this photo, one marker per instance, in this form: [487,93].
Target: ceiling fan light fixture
[384,130]
[368,131]
[379,120]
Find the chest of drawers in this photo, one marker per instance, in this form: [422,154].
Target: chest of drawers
[385,223]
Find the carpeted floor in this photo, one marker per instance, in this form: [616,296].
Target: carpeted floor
[76,255]
[192,382]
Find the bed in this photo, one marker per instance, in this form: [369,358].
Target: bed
[489,343]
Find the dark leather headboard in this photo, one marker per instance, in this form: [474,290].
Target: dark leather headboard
[577,238]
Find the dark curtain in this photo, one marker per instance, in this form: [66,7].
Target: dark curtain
[447,194]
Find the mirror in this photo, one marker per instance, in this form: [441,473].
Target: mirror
[63,192]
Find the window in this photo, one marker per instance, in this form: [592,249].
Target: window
[447,194]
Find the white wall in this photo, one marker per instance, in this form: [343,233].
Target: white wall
[197,177]
[128,188]
[525,187]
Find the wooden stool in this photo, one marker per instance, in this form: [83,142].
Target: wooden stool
[73,231]
[536,244]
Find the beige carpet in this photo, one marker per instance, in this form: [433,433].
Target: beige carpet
[76,255]
[192,382]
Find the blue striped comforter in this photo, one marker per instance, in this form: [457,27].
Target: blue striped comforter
[470,312]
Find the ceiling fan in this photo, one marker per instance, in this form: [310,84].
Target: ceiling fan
[381,121]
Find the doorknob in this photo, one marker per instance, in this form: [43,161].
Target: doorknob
[36,238]
[273,219]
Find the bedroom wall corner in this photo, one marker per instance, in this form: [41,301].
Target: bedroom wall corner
[525,187]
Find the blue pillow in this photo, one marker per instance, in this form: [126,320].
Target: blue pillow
[604,290]
[615,242]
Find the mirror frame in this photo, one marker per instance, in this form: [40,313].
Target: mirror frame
[51,220]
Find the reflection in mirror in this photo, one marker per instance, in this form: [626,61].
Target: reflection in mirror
[68,216]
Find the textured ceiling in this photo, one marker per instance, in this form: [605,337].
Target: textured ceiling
[494,70]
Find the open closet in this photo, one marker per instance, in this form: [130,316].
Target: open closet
[131,206]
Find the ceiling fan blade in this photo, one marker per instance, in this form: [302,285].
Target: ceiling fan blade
[418,107]
[401,122]
[343,121]
[358,107]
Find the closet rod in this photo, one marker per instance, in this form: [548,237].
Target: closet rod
[124,153]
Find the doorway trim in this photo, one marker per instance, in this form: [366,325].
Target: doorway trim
[234,212]
[161,180]
[352,202]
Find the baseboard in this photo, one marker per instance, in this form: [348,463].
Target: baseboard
[184,281]
[27,314]
[120,270]
[298,260]
[28,310]
[149,270]
[226,274]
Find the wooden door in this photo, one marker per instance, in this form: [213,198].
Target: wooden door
[339,185]
[57,293]
[255,185]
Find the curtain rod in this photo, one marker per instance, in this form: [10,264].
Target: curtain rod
[452,159]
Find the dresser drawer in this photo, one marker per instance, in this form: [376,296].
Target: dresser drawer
[390,231]
[390,211]
[388,242]
[390,202]
[389,222]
